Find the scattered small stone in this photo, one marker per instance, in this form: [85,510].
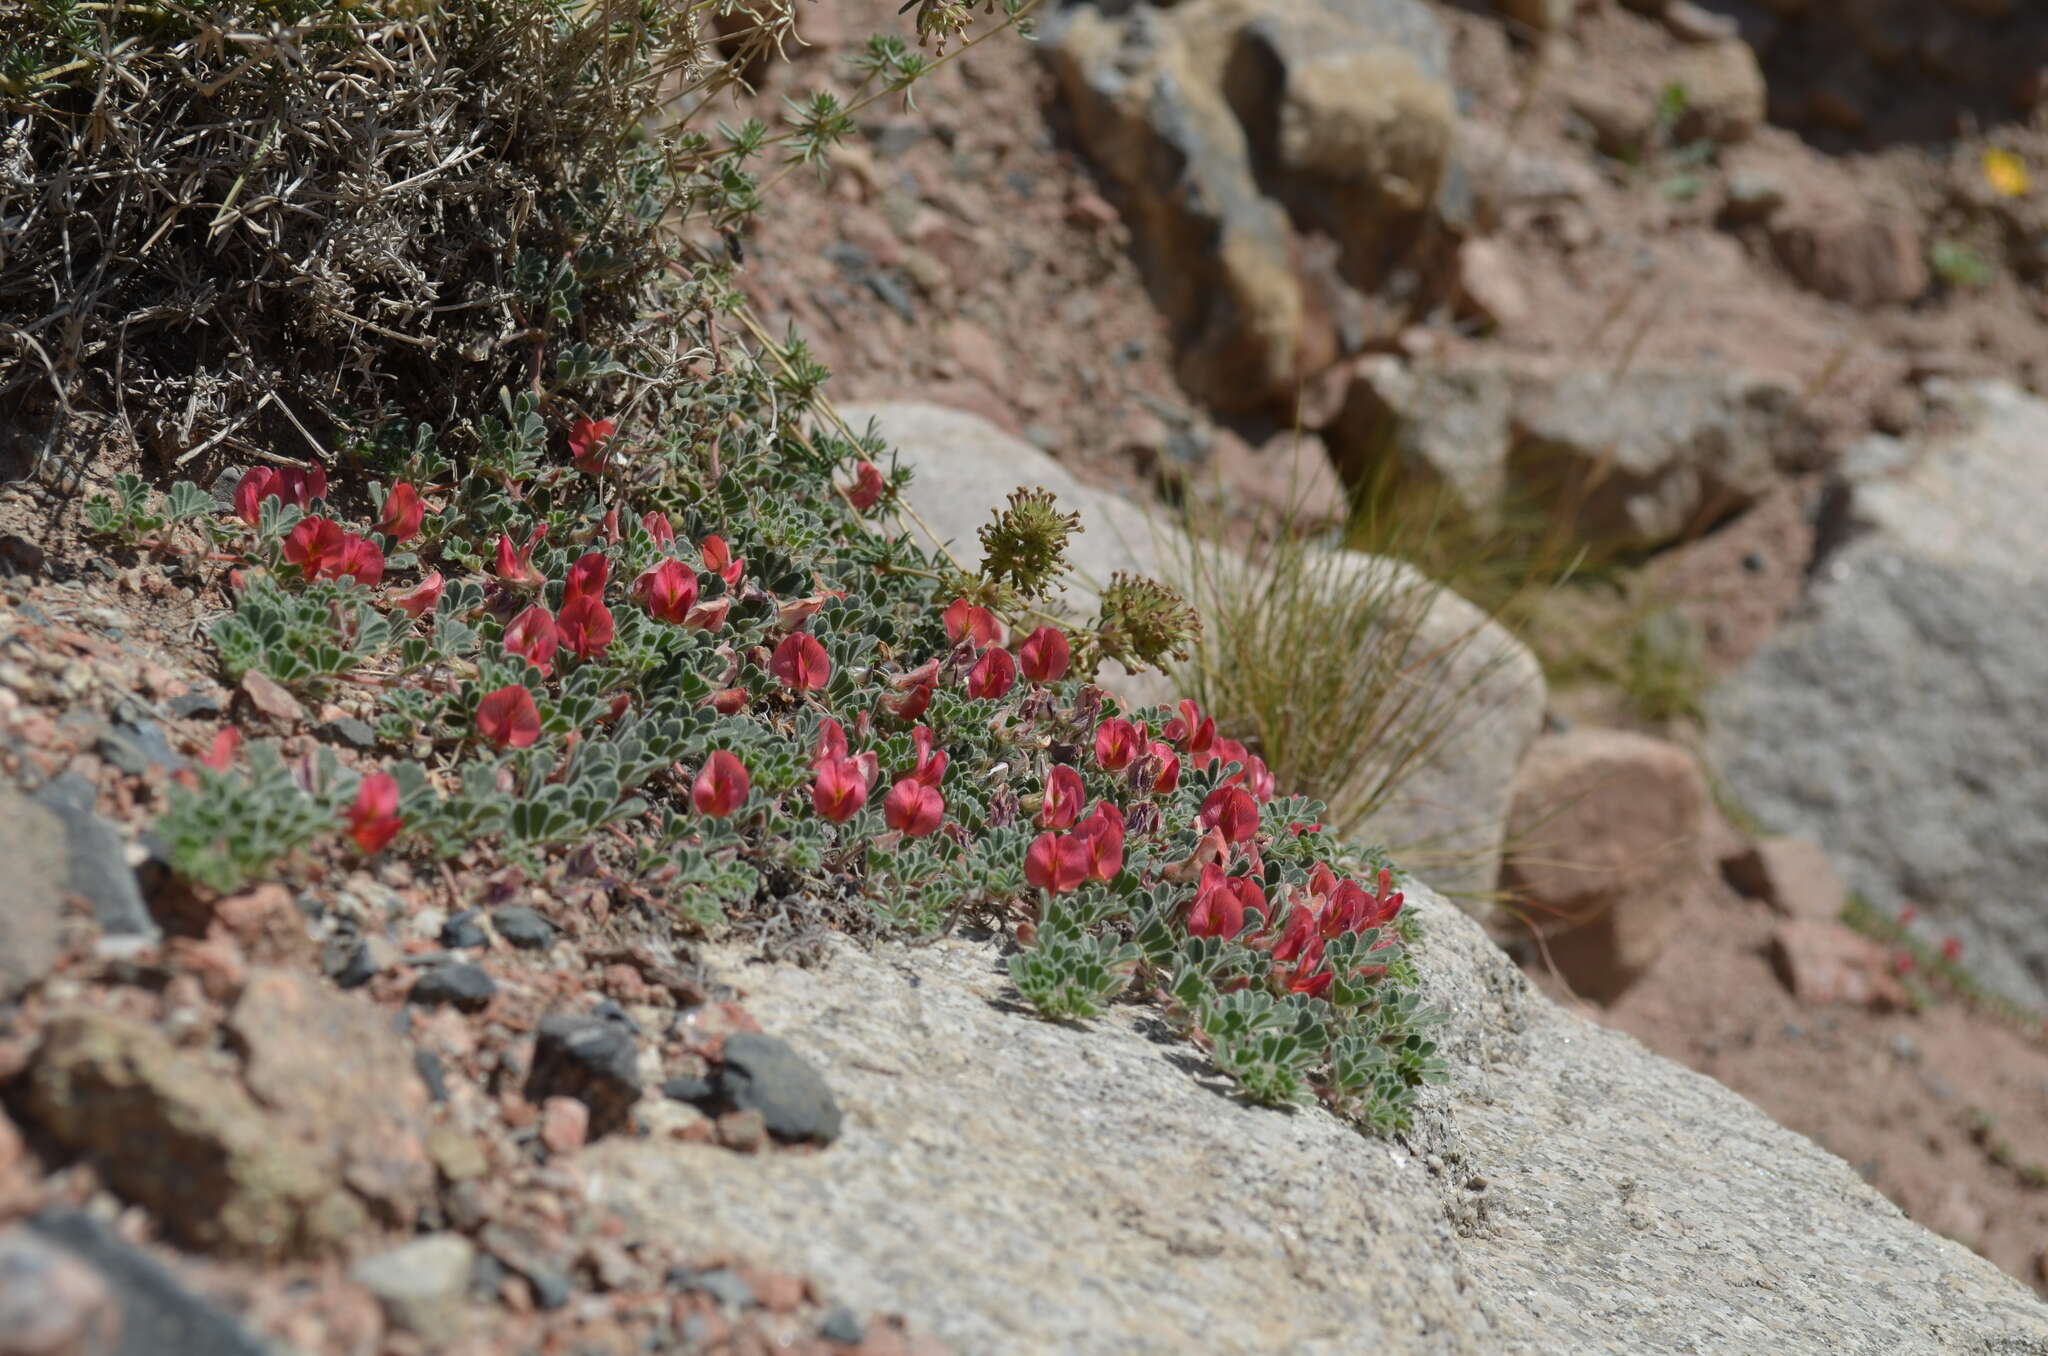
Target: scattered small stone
[608,1010]
[1905,1049]
[429,1065]
[841,1325]
[689,1088]
[458,1156]
[1794,1032]
[523,927]
[356,734]
[97,859]
[159,1316]
[466,986]
[590,1059]
[51,1302]
[888,288]
[778,1291]
[421,1285]
[21,555]
[527,1256]
[743,1131]
[189,704]
[463,931]
[271,698]
[723,1284]
[762,1073]
[564,1124]
[345,959]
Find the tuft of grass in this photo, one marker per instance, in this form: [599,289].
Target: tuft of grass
[1322,656]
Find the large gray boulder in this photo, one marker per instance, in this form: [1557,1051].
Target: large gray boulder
[1630,459]
[1018,1186]
[1904,721]
[1448,815]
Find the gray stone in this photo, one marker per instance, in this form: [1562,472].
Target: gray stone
[523,927]
[1637,458]
[1012,1185]
[97,859]
[51,1302]
[357,734]
[1904,723]
[468,987]
[590,1059]
[159,1315]
[761,1073]
[422,1284]
[31,891]
[463,932]
[1451,809]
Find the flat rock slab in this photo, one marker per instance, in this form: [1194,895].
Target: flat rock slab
[1012,1185]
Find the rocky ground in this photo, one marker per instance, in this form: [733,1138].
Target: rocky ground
[1791,257]
[1826,239]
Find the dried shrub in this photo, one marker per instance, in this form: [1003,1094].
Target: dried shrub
[248,228]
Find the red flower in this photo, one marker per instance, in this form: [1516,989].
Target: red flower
[257,484]
[1169,767]
[669,591]
[300,485]
[801,663]
[1103,833]
[373,820]
[533,637]
[992,675]
[709,615]
[508,717]
[727,700]
[587,439]
[1951,949]
[913,808]
[657,526]
[831,743]
[403,513]
[1231,809]
[1057,862]
[1063,797]
[721,785]
[1221,901]
[931,762]
[1045,655]
[222,751]
[978,623]
[516,567]
[422,599]
[867,488]
[316,545]
[587,576]
[585,625]
[1194,732]
[1117,742]
[839,789]
[719,559]
[363,559]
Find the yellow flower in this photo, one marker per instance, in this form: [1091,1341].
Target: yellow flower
[2005,172]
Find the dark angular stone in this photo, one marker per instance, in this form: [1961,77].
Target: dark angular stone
[590,1059]
[193,704]
[841,1325]
[763,1074]
[345,959]
[429,1065]
[689,1088]
[463,931]
[523,927]
[466,986]
[159,1316]
[97,859]
[348,730]
[723,1284]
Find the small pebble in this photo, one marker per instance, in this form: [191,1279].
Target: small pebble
[523,927]
[841,1325]
[465,986]
[463,931]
